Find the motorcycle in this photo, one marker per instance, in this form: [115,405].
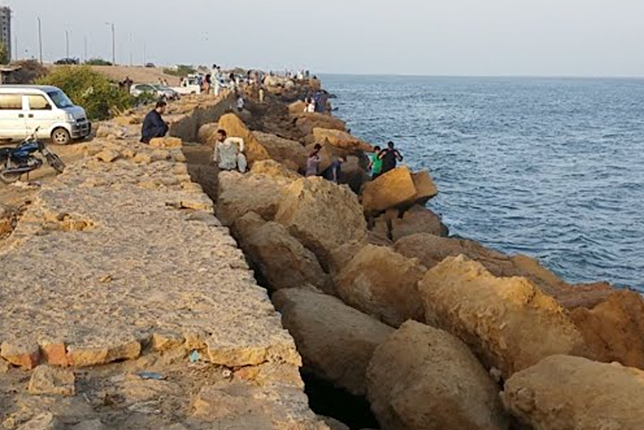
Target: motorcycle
[15,162]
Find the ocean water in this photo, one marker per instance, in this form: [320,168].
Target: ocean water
[551,168]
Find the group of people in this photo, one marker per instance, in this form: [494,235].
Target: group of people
[317,103]
[384,160]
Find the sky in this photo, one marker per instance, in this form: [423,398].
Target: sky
[417,37]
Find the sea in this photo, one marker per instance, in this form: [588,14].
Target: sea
[548,167]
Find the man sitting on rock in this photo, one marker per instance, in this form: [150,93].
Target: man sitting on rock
[229,152]
[153,124]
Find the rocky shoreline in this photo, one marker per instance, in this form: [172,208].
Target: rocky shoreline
[436,332]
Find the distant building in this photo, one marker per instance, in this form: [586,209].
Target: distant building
[5,29]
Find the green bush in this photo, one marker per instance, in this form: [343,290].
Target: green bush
[4,54]
[89,89]
[97,62]
[182,71]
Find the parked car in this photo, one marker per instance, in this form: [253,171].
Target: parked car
[156,90]
[191,84]
[67,62]
[23,108]
[150,65]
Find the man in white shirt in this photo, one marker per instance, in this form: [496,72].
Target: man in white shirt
[229,152]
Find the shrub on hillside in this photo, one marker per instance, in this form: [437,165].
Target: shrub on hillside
[89,89]
[181,71]
[97,62]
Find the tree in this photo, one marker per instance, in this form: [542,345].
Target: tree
[89,89]
[97,62]
[4,53]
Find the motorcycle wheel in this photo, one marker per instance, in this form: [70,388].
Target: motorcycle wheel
[8,178]
[55,162]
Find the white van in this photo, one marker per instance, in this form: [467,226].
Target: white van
[23,108]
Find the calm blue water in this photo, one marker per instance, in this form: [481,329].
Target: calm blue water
[552,168]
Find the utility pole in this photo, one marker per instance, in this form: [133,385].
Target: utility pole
[131,49]
[15,47]
[40,38]
[145,54]
[113,27]
[67,43]
[86,49]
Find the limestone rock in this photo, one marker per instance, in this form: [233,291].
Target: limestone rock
[571,393]
[393,189]
[208,133]
[283,150]
[90,425]
[22,354]
[335,340]
[431,250]
[234,127]
[240,194]
[281,260]
[418,219]
[382,283]
[614,329]
[321,215]
[108,156]
[422,378]
[52,381]
[296,107]
[425,187]
[353,174]
[508,322]
[166,143]
[80,356]
[306,122]
[273,168]
[44,421]
[334,424]
[341,139]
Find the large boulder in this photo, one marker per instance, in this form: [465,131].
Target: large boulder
[321,215]
[207,134]
[297,107]
[431,250]
[239,194]
[288,152]
[335,340]
[280,260]
[614,329]
[418,219]
[341,139]
[398,188]
[353,174]
[306,122]
[422,378]
[273,169]
[425,187]
[508,322]
[235,127]
[573,393]
[382,283]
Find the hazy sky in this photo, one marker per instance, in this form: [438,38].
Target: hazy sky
[437,37]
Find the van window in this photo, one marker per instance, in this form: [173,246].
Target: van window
[10,101]
[60,99]
[38,103]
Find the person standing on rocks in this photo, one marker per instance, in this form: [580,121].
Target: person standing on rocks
[229,152]
[375,163]
[390,158]
[153,124]
[334,172]
[314,161]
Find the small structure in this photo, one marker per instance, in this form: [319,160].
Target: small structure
[6,71]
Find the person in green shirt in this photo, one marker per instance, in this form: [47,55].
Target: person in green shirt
[375,163]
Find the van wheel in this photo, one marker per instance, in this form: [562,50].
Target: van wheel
[60,136]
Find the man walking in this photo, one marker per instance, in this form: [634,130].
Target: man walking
[153,124]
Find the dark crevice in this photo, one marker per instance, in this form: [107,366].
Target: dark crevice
[325,399]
